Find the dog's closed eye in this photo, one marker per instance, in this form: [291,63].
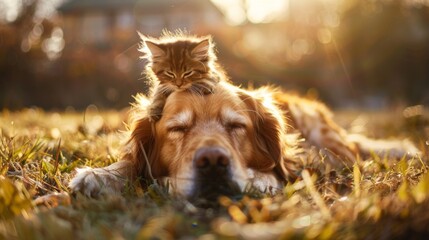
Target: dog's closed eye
[235,126]
[178,129]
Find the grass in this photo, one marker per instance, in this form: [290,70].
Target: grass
[379,198]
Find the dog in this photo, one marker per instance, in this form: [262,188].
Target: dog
[205,146]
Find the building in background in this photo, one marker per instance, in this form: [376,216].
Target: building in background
[108,22]
[100,62]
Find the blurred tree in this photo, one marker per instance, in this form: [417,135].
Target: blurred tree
[20,48]
[33,72]
[386,47]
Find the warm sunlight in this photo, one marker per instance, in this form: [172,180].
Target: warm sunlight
[254,11]
[10,9]
[265,11]
[257,119]
[233,10]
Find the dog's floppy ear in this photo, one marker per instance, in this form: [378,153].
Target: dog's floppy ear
[141,148]
[269,127]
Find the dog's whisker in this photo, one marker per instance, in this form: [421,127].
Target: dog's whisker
[148,165]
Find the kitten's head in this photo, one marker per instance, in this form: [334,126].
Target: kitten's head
[179,60]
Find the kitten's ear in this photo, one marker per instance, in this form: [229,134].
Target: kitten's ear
[154,49]
[201,51]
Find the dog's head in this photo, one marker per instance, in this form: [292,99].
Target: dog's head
[212,145]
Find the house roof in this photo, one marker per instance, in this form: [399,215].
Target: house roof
[78,5]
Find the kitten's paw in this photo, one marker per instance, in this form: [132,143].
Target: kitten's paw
[94,182]
[204,87]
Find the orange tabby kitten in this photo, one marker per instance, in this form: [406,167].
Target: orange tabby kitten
[179,63]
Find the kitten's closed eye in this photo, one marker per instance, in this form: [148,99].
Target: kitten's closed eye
[187,74]
[170,74]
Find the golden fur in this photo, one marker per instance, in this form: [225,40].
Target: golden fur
[258,130]
[206,145]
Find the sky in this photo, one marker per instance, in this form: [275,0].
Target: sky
[255,11]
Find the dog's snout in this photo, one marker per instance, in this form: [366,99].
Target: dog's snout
[213,177]
[211,157]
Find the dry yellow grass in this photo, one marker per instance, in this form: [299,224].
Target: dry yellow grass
[379,198]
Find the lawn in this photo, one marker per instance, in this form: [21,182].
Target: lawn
[379,198]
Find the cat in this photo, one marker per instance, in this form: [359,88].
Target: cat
[179,62]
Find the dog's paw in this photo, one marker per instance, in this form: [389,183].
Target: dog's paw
[94,182]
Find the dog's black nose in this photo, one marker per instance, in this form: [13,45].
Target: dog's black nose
[213,176]
[211,158]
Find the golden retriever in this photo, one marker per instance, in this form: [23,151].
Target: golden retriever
[220,143]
